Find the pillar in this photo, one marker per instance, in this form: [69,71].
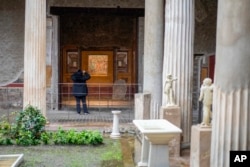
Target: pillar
[231,100]
[153,48]
[35,55]
[115,130]
[178,57]
[140,47]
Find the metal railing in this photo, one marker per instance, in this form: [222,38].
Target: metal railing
[102,95]
[101,99]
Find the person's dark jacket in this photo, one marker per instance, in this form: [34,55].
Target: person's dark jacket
[79,86]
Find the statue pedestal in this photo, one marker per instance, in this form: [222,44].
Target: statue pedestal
[173,115]
[200,146]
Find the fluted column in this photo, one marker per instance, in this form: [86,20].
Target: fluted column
[231,111]
[178,57]
[35,55]
[153,48]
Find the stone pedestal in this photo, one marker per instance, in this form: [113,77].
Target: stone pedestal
[115,131]
[173,115]
[142,105]
[200,146]
[158,132]
[158,155]
[144,152]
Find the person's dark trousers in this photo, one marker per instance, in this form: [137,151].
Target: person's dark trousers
[78,105]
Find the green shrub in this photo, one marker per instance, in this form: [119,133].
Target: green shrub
[29,129]
[77,138]
[30,123]
[59,137]
[46,137]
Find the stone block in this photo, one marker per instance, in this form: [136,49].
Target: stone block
[173,115]
[142,105]
[200,146]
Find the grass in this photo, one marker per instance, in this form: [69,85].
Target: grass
[107,155]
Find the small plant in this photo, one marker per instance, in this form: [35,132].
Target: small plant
[59,137]
[45,137]
[77,138]
[5,131]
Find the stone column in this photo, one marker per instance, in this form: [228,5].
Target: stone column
[115,130]
[231,102]
[153,48]
[140,48]
[35,55]
[178,57]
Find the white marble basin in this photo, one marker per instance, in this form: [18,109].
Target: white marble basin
[157,131]
[11,160]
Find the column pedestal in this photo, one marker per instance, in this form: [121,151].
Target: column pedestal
[200,146]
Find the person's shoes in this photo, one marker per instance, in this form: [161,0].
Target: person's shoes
[86,113]
[79,113]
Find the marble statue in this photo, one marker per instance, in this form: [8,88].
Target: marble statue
[206,96]
[168,90]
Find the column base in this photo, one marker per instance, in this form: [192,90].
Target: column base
[115,135]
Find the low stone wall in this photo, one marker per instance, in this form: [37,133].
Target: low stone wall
[11,98]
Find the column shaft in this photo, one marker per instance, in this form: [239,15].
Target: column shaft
[35,55]
[178,56]
[231,118]
[153,48]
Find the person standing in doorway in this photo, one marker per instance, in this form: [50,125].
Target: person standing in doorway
[80,89]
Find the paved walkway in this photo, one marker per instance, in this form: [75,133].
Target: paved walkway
[96,115]
[97,119]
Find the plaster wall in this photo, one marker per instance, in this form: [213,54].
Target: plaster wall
[12,40]
[205,29]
